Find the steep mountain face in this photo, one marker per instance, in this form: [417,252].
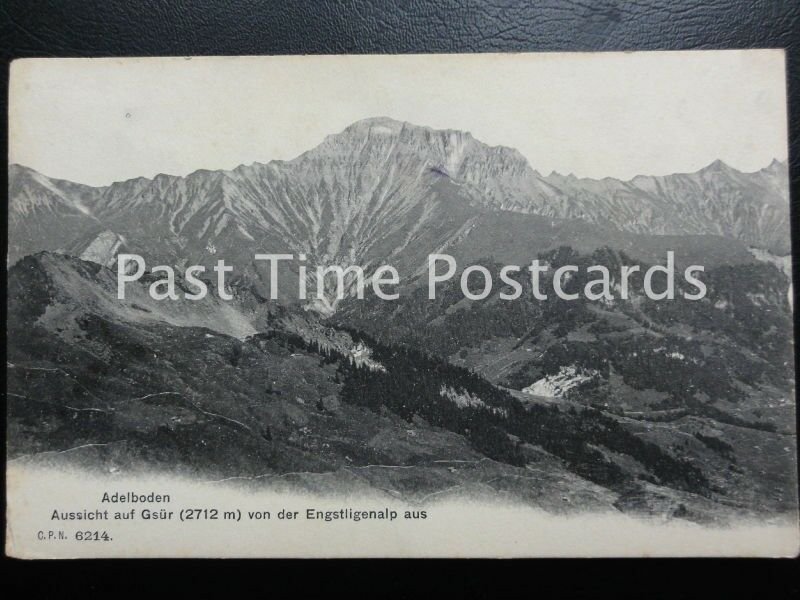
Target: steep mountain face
[382,191]
[717,200]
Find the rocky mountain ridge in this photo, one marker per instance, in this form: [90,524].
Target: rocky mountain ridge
[379,190]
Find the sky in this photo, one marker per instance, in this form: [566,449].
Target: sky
[96,121]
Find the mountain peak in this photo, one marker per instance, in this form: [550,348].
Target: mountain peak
[389,127]
[717,166]
[17,171]
[775,165]
[372,127]
[380,121]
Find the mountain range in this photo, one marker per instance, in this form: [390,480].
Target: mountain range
[679,409]
[384,191]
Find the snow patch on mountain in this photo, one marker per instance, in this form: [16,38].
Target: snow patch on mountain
[556,386]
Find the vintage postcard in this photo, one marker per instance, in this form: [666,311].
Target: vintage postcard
[490,305]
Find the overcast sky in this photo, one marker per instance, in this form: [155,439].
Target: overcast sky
[97,121]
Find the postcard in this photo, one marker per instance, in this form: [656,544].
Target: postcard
[487,305]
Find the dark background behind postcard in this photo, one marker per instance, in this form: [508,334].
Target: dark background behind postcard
[207,27]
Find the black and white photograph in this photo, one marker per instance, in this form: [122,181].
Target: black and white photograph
[533,304]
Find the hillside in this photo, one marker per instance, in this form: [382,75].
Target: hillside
[122,389]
